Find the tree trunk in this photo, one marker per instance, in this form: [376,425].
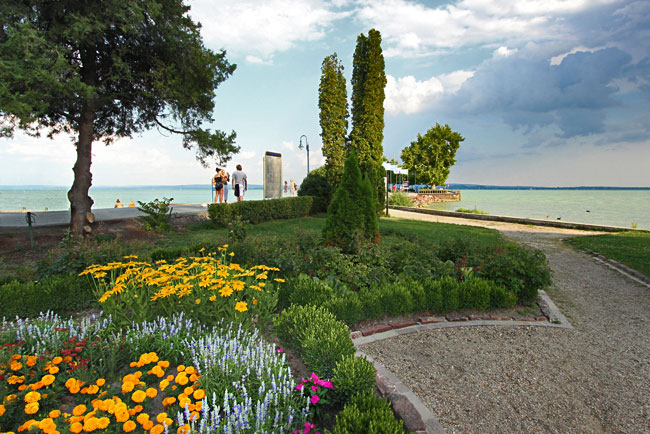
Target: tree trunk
[80,202]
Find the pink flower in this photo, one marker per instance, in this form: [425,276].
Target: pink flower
[314,388]
[315,399]
[300,386]
[279,350]
[327,384]
[308,427]
[314,377]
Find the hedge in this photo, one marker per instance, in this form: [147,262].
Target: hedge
[258,211]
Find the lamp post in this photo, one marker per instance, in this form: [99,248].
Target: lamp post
[301,147]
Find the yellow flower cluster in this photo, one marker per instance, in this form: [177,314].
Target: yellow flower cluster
[125,412]
[195,279]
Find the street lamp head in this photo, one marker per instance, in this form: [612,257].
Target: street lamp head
[301,146]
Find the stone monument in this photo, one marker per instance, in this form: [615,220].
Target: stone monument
[272,175]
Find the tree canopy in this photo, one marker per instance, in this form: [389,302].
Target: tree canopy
[108,69]
[333,105]
[433,154]
[367,135]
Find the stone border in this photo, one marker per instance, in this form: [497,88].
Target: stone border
[406,405]
[623,269]
[519,220]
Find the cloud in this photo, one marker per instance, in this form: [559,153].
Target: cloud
[573,96]
[408,95]
[258,30]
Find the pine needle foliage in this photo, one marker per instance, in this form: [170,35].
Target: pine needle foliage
[351,217]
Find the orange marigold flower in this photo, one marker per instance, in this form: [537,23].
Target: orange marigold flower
[74,389]
[147,425]
[53,414]
[183,429]
[158,429]
[54,370]
[163,384]
[22,387]
[122,415]
[91,424]
[127,387]
[79,410]
[2,409]
[168,401]
[142,418]
[32,397]
[193,378]
[190,370]
[76,428]
[31,408]
[138,396]
[199,394]
[57,360]
[188,390]
[48,379]
[128,426]
[100,382]
[181,368]
[182,379]
[151,392]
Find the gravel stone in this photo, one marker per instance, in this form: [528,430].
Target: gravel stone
[524,379]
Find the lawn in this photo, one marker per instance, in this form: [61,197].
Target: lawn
[629,248]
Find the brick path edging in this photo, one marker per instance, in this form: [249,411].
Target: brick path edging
[406,405]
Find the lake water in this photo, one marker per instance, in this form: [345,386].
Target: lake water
[606,207]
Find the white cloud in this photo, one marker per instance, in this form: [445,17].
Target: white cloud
[288,145]
[556,60]
[246,155]
[408,95]
[258,30]
[411,29]
[504,51]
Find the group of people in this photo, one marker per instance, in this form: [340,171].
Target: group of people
[119,204]
[221,180]
[290,188]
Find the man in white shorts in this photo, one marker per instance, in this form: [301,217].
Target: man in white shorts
[239,183]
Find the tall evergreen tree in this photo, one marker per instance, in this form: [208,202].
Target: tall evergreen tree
[367,135]
[333,105]
[351,217]
[108,69]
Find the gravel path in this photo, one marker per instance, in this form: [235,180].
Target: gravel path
[590,379]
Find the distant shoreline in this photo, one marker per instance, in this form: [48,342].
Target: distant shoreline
[260,187]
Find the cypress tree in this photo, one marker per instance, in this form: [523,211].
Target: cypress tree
[333,105]
[367,135]
[349,220]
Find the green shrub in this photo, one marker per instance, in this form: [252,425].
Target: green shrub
[347,221]
[433,295]
[60,294]
[306,290]
[373,306]
[352,375]
[316,335]
[472,211]
[258,211]
[168,254]
[317,186]
[450,294]
[519,269]
[474,293]
[399,199]
[346,307]
[158,212]
[368,414]
[501,297]
[396,298]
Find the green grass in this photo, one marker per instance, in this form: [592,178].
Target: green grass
[312,226]
[629,248]
[438,232]
[472,211]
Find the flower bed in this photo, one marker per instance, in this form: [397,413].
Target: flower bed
[54,377]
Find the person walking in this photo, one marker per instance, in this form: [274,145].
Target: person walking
[226,180]
[217,182]
[292,188]
[286,189]
[239,183]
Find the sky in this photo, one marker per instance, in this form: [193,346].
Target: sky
[545,92]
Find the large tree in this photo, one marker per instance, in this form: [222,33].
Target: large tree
[367,135]
[333,106]
[107,69]
[433,154]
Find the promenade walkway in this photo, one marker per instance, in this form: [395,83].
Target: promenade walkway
[55,218]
